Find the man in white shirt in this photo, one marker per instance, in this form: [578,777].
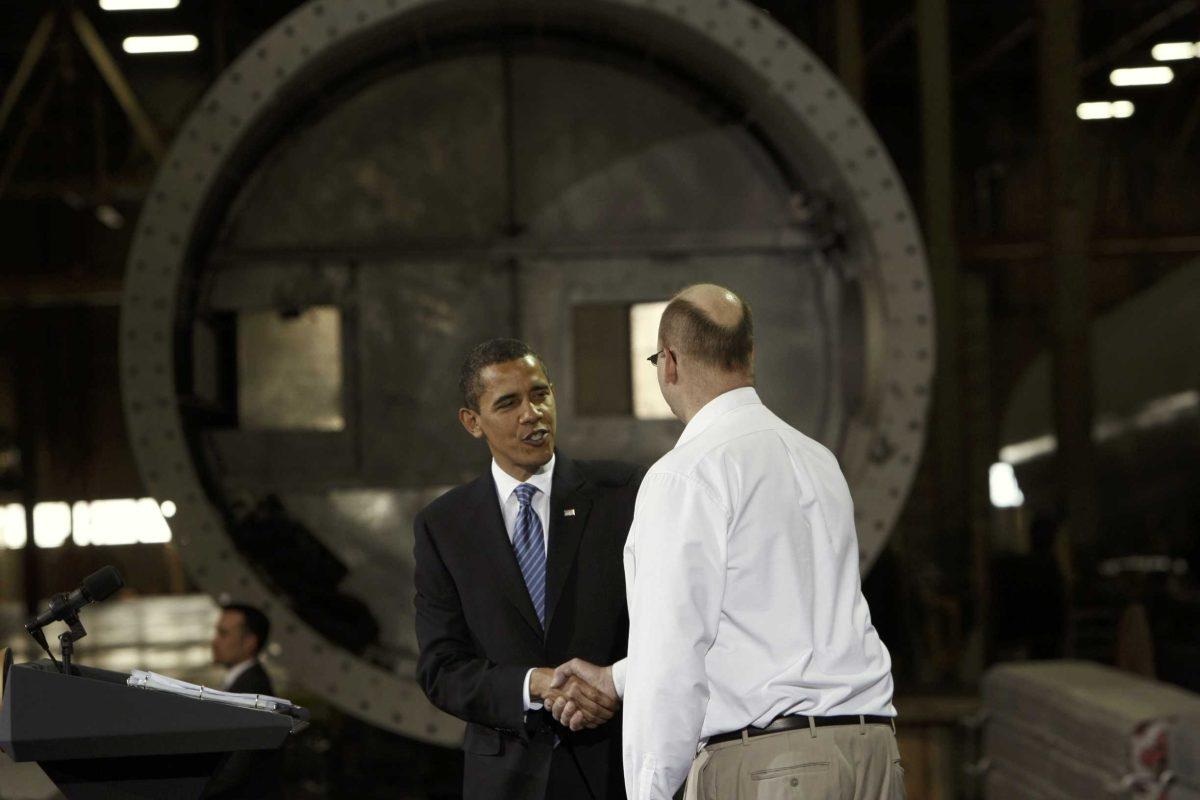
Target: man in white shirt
[749,637]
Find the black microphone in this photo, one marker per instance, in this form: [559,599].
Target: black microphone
[96,587]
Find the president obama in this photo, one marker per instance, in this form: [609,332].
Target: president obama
[517,572]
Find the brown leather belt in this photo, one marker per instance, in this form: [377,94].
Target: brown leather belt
[795,721]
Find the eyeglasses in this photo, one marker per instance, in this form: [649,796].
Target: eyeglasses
[654,358]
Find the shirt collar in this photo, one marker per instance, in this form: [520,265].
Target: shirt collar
[505,483]
[716,408]
[236,671]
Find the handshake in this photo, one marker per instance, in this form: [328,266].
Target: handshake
[578,694]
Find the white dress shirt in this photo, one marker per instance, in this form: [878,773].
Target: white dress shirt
[510,507]
[236,671]
[745,602]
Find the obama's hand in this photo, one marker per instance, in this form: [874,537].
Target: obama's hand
[587,696]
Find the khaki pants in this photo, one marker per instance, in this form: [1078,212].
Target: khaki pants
[838,762]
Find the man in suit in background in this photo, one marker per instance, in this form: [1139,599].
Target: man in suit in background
[516,572]
[240,635]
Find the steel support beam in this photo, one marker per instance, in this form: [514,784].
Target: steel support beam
[1070,308]
[138,118]
[26,328]
[982,448]
[32,120]
[937,145]
[1100,247]
[675,245]
[893,36]
[1026,29]
[1138,36]
[59,289]
[851,61]
[1009,41]
[29,61]
[960,471]
[1183,136]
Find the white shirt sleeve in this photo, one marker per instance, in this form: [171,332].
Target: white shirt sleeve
[675,575]
[530,705]
[618,676]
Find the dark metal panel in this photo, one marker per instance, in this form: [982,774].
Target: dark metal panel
[273,461]
[290,285]
[417,154]
[370,531]
[600,150]
[417,323]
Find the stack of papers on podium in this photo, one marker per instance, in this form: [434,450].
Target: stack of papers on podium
[142,679]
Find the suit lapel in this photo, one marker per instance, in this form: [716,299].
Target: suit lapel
[569,507]
[488,531]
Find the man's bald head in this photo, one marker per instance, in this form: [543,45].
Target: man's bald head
[712,325]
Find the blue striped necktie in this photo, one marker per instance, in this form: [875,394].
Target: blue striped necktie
[530,549]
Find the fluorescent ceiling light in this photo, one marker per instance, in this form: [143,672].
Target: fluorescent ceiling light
[1121,109]
[1103,109]
[1175,51]
[1141,76]
[184,43]
[124,521]
[138,5]
[1003,487]
[99,522]
[1028,449]
[51,524]
[12,526]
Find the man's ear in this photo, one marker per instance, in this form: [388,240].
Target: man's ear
[470,421]
[671,367]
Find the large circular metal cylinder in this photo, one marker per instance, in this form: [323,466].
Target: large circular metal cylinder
[376,185]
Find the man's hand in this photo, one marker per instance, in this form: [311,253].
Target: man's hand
[578,704]
[539,684]
[581,685]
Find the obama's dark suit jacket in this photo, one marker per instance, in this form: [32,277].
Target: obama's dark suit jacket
[479,635]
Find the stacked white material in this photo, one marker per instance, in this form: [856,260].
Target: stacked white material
[1005,783]
[1183,754]
[1075,730]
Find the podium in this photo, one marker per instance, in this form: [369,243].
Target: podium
[99,739]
